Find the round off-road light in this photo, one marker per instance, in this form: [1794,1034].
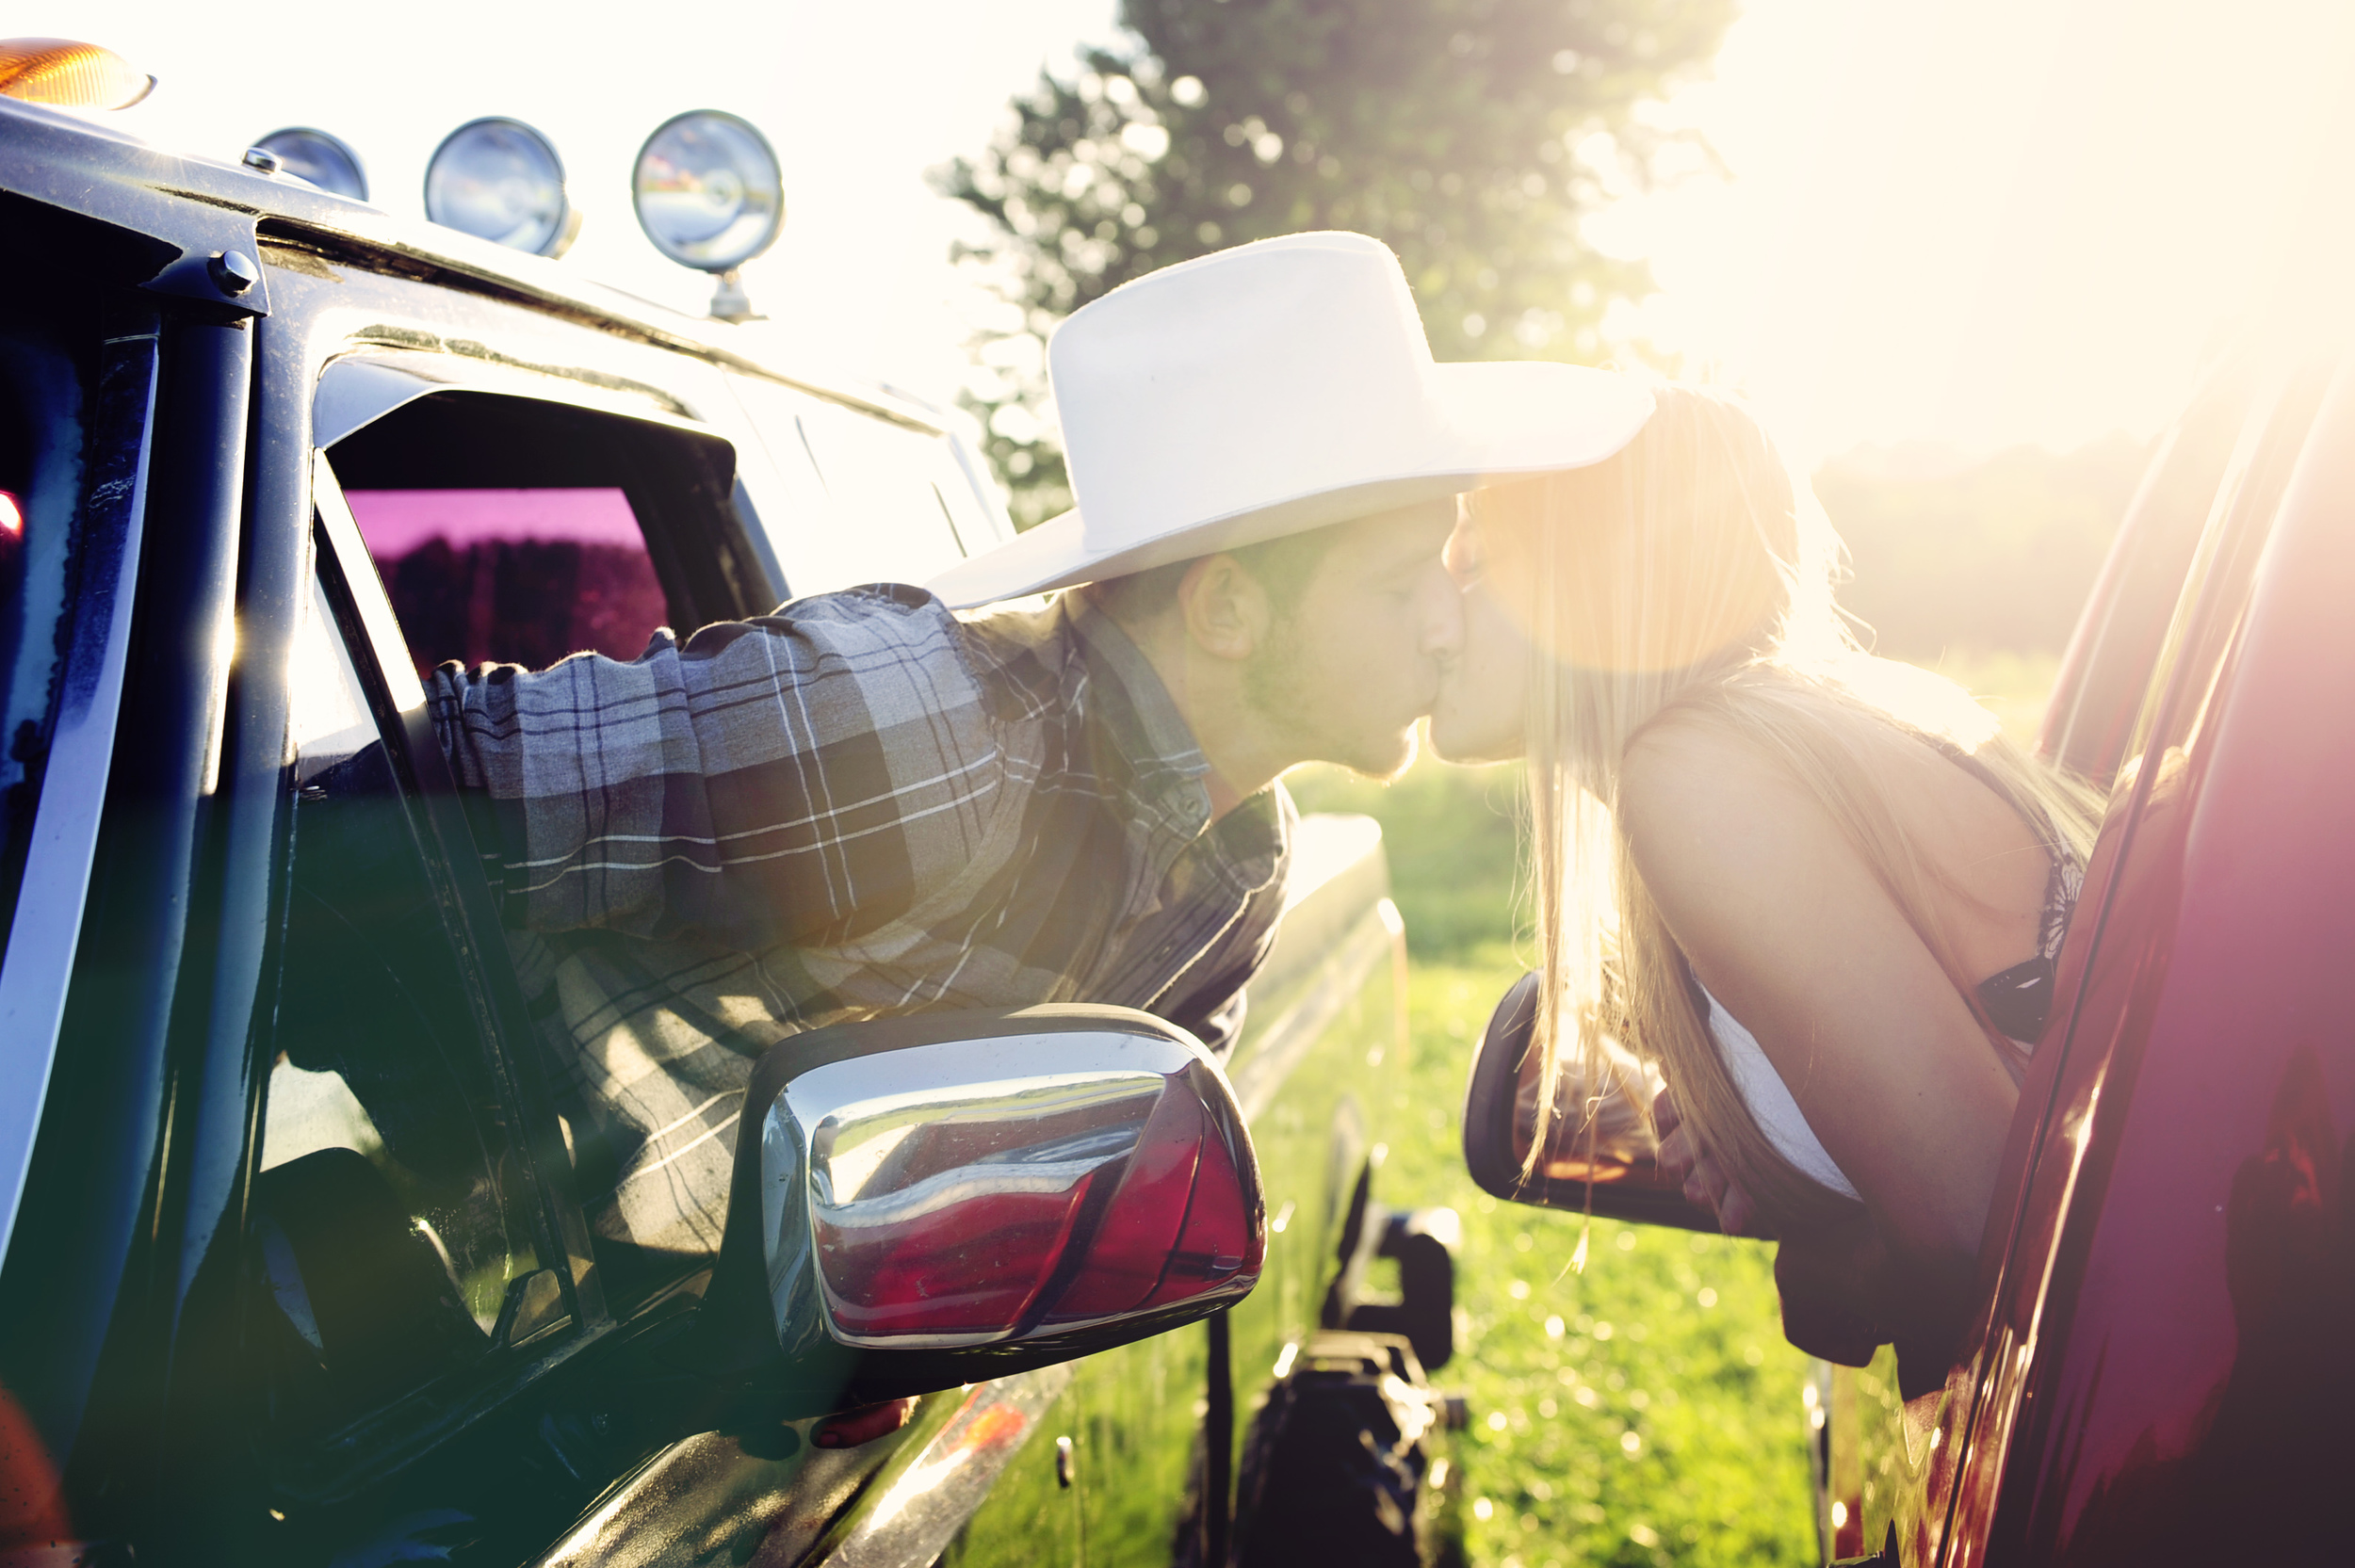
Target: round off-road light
[501,181]
[323,160]
[69,75]
[707,190]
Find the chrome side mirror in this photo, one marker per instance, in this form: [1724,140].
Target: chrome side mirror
[933,1200]
[1501,1123]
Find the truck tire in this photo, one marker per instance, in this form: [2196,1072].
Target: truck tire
[1333,1470]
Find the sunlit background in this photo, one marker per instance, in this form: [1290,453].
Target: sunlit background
[1966,254]
[1978,222]
[2001,221]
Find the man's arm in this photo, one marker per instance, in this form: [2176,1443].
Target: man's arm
[794,778]
[1213,1011]
[1208,999]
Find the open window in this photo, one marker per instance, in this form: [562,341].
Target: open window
[520,530]
[2207,464]
[514,528]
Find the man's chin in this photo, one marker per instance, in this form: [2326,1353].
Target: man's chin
[1451,742]
[1385,759]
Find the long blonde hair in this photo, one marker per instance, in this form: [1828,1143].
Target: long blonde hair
[1692,576]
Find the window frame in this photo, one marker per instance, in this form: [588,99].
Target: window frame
[683,478]
[371,1446]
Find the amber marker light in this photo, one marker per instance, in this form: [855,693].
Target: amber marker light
[69,75]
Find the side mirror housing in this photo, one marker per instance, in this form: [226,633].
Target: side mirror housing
[1617,1172]
[941,1198]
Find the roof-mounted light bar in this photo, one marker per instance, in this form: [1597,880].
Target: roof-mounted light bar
[500,180]
[325,161]
[710,195]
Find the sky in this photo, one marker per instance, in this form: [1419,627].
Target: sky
[1984,222]
[1973,222]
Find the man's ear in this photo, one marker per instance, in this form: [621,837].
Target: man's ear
[1226,609]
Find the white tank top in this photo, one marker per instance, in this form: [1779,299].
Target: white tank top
[1771,1105]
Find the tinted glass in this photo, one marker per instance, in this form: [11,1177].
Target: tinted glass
[523,576]
[390,1242]
[520,530]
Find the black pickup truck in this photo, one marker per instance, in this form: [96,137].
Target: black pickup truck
[297,1265]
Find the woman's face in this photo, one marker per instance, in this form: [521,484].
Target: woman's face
[1478,717]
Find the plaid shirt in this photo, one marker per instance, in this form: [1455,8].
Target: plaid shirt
[857,805]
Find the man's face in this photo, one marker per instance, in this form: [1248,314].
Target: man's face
[1351,665]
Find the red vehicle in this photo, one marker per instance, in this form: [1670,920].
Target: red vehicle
[2164,1344]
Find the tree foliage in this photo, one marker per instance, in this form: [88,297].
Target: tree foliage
[1471,136]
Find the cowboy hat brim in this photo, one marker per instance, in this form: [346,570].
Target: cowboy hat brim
[1492,423]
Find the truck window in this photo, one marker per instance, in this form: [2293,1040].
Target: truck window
[391,1248]
[517,531]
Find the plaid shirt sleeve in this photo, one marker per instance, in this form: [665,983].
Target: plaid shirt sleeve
[804,777]
[1213,1007]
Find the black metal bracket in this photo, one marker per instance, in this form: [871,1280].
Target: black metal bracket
[1423,1242]
[206,211]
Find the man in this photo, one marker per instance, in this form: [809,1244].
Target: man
[864,804]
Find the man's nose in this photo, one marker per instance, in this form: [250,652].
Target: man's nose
[1439,614]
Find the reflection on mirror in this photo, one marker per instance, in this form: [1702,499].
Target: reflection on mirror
[1052,1177]
[1611,1159]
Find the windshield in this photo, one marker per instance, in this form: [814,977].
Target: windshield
[42,404]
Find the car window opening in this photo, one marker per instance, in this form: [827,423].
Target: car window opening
[513,530]
[522,576]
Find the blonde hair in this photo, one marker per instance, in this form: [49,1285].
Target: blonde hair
[1689,581]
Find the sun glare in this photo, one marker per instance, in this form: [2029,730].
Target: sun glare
[2000,222]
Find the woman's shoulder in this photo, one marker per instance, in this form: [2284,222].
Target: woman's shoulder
[1715,791]
[1692,769]
[1767,731]
[1711,827]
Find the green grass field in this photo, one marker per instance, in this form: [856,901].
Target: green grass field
[1645,1412]
[1648,1410]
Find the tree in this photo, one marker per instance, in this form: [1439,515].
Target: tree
[1469,134]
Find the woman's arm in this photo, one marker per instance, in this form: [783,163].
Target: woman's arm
[1785,922]
[1705,1181]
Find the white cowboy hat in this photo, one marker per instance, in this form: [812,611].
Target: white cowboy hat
[1272,389]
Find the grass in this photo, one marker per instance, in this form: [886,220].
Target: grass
[1646,1412]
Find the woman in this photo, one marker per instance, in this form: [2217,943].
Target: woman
[1816,889]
